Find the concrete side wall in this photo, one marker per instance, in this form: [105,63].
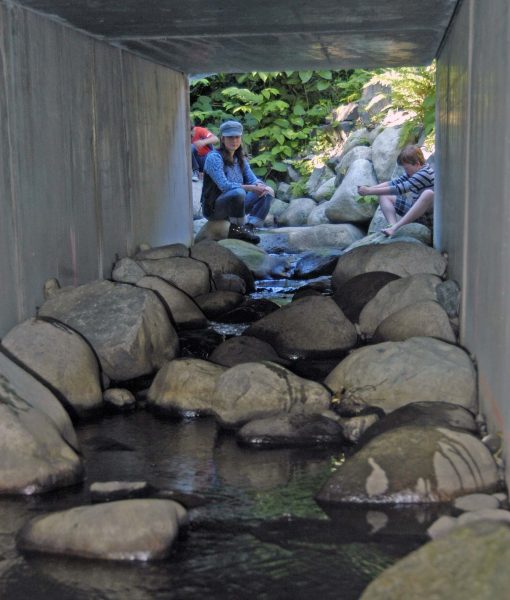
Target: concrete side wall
[93,158]
[474,179]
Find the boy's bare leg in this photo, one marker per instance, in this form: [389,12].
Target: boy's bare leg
[424,203]
[387,204]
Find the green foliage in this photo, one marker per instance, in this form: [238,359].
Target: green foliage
[368,200]
[413,89]
[280,111]
[298,189]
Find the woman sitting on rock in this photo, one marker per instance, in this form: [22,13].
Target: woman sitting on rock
[231,191]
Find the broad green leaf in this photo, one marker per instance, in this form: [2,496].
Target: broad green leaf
[305,76]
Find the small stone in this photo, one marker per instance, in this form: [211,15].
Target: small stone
[474,502]
[487,514]
[442,527]
[51,287]
[493,442]
[119,398]
[106,491]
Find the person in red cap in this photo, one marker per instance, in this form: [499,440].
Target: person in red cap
[202,141]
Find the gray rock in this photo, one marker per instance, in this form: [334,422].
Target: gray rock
[290,430]
[393,374]
[297,212]
[261,264]
[229,282]
[338,236]
[423,414]
[38,445]
[108,491]
[185,386]
[356,293]
[396,295]
[385,149]
[222,261]
[314,265]
[51,287]
[48,348]
[242,349]
[470,562]
[317,178]
[188,275]
[485,514]
[283,192]
[128,327]
[215,304]
[127,270]
[168,251]
[349,157]
[359,137]
[443,526]
[425,318]
[256,390]
[401,258]
[344,206]
[354,427]
[325,190]
[124,530]
[476,502]
[119,399]
[213,231]
[413,465]
[311,327]
[448,296]
[184,310]
[317,215]
[345,112]
[278,207]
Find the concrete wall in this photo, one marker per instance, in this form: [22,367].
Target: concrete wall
[474,187]
[93,158]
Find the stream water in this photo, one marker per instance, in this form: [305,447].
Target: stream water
[257,533]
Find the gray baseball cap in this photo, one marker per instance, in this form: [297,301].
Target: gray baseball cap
[231,129]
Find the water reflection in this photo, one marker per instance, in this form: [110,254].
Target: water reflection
[260,534]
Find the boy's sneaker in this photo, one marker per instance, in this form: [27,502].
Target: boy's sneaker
[242,233]
[195,176]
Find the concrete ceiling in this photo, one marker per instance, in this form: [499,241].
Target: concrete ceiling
[197,36]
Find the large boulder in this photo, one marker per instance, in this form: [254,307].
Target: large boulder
[297,212]
[211,230]
[38,445]
[222,261]
[127,270]
[318,176]
[62,358]
[425,318]
[398,294]
[349,157]
[400,258]
[242,349]
[359,137]
[338,236]
[143,529]
[317,215]
[184,310]
[311,327]
[190,276]
[412,464]
[353,296]
[470,562]
[185,386]
[325,191]
[215,304]
[385,149]
[392,374]
[344,206]
[256,390]
[127,326]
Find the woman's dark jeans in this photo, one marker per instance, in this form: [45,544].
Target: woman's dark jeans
[236,203]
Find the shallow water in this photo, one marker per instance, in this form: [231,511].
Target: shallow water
[259,535]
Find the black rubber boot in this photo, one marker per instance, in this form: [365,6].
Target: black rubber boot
[237,232]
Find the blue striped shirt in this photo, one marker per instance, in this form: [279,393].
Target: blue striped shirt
[228,177]
[421,180]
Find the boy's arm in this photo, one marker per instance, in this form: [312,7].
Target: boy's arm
[381,189]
